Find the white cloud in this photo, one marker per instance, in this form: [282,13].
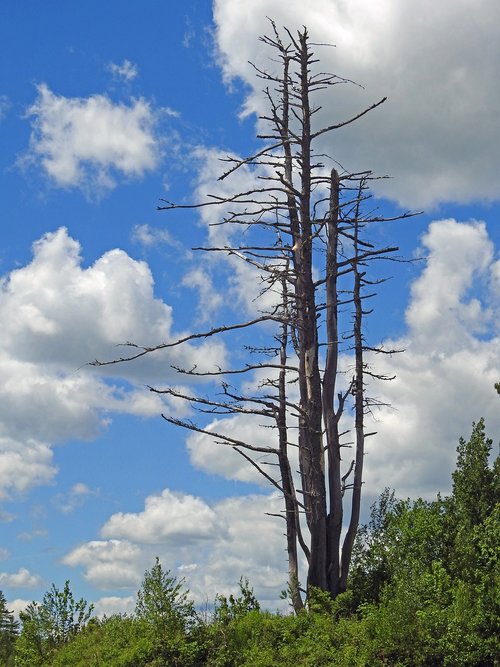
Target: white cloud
[62,404]
[4,553]
[458,253]
[176,516]
[24,464]
[80,489]
[88,142]
[437,134]
[109,564]
[263,561]
[61,313]
[446,375]
[107,606]
[212,457]
[209,299]
[223,554]
[21,579]
[127,70]
[58,315]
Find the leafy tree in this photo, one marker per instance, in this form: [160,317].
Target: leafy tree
[168,613]
[436,570]
[9,630]
[475,483]
[163,631]
[218,637]
[303,237]
[476,491]
[229,608]
[162,601]
[370,568]
[50,624]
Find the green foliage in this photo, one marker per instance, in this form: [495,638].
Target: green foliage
[227,609]
[9,629]
[49,624]
[161,632]
[117,641]
[370,559]
[438,604]
[161,600]
[308,639]
[217,637]
[473,480]
[240,634]
[475,493]
[169,615]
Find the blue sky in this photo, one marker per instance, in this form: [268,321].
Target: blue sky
[105,108]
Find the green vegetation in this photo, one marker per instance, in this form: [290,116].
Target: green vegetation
[423,591]
[8,633]
[49,625]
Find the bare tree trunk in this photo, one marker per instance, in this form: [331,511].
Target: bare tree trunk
[359,405]
[330,415]
[291,508]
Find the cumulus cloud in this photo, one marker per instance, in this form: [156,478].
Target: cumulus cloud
[457,255]
[21,579]
[107,606]
[445,378]
[57,311]
[111,564]
[88,142]
[223,552]
[127,70]
[24,464]
[234,555]
[212,457]
[176,516]
[58,315]
[438,132]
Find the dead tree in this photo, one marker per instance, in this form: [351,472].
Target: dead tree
[309,247]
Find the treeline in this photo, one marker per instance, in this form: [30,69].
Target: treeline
[424,591]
